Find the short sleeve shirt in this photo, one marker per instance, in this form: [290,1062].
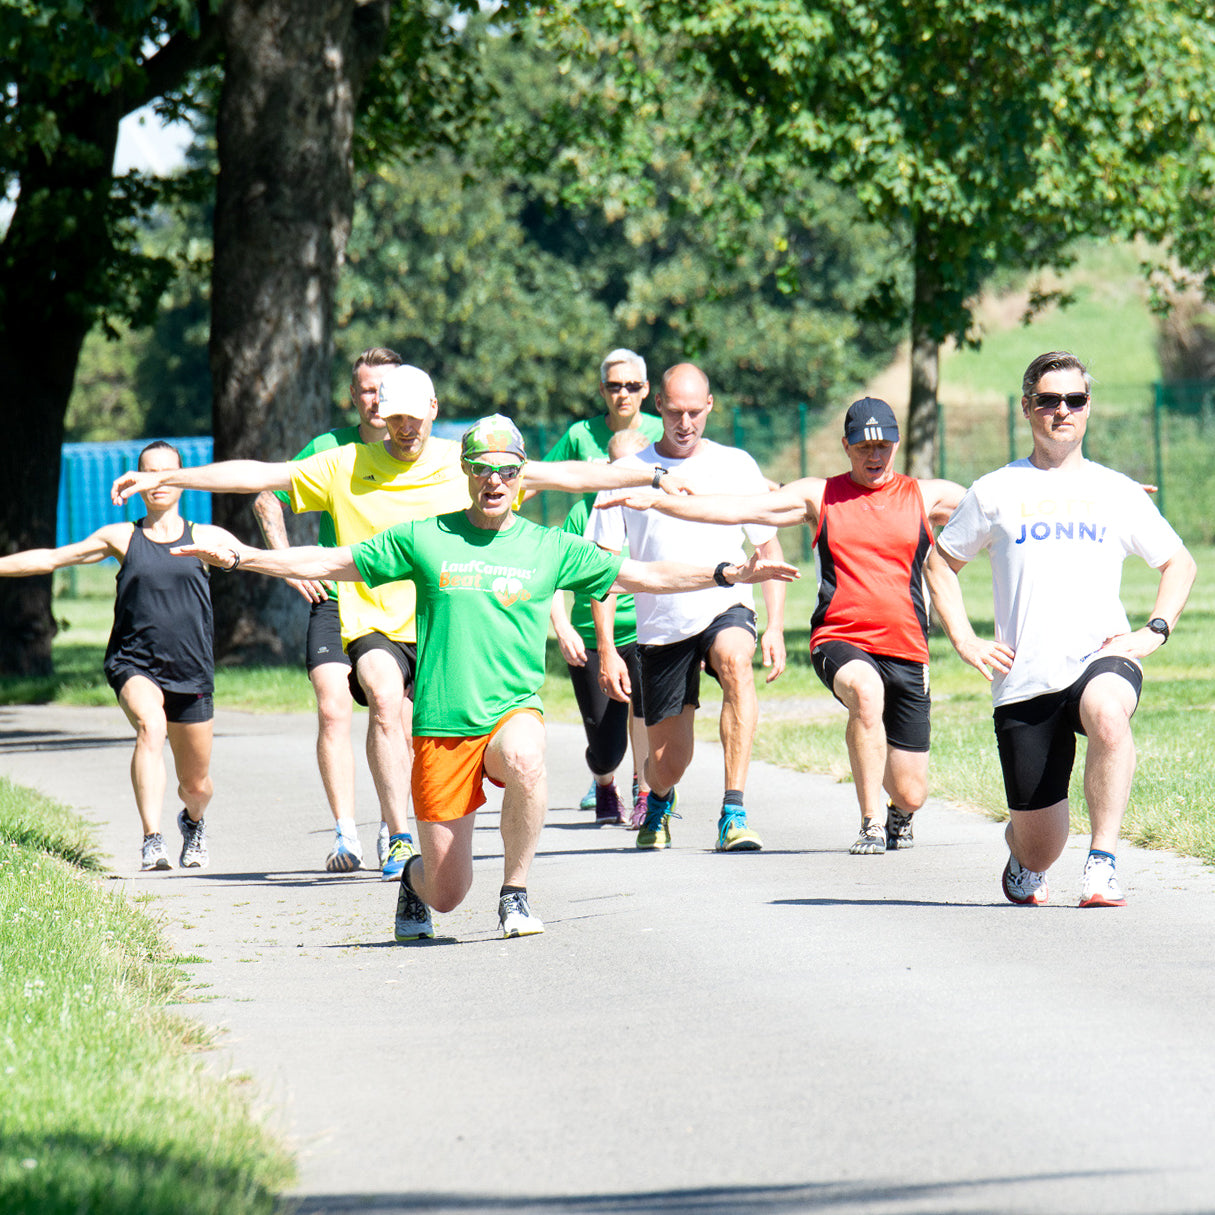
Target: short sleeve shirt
[1057,539]
[483,601]
[652,536]
[366,490]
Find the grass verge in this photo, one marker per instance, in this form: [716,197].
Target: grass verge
[106,1106]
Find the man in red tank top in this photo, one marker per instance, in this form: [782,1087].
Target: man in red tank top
[868,640]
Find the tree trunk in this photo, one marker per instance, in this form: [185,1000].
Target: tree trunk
[57,245]
[293,73]
[919,443]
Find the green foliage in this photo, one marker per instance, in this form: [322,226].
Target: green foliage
[484,268]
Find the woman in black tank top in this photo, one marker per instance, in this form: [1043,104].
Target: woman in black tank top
[159,658]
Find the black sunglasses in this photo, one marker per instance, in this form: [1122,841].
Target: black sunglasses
[1051,401]
[630,386]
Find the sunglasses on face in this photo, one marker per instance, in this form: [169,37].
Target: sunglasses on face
[508,472]
[1075,401]
[629,386]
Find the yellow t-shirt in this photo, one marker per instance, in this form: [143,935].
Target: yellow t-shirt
[366,490]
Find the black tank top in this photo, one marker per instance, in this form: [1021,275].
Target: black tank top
[162,616]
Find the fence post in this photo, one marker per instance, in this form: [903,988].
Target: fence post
[1158,441]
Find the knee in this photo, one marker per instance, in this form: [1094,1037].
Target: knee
[447,883]
[734,672]
[197,787]
[523,760]
[151,732]
[910,795]
[333,715]
[1108,724]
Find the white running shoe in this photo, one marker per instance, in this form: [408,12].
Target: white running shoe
[193,842]
[515,916]
[154,854]
[1099,887]
[413,922]
[381,844]
[1025,887]
[345,855]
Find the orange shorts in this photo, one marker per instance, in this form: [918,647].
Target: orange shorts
[448,773]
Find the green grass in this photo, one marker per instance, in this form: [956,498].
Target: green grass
[106,1106]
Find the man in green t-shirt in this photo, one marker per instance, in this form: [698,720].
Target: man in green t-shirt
[326,660]
[485,580]
[584,633]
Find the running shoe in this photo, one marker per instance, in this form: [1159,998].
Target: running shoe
[608,810]
[515,916]
[154,854]
[381,844]
[655,832]
[733,834]
[193,842]
[588,798]
[1024,886]
[872,839]
[413,920]
[898,828]
[400,849]
[1099,887]
[346,853]
[640,802]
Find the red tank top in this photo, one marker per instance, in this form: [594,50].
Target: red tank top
[871,546]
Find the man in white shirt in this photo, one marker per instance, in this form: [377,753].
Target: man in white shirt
[716,626]
[1064,660]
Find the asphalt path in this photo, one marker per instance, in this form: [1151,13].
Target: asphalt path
[792,1030]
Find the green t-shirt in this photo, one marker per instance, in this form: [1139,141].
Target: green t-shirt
[588,440]
[625,630]
[483,601]
[326,535]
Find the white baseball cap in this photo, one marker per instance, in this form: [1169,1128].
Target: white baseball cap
[405,390]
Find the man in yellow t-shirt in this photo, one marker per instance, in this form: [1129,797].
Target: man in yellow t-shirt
[366,488]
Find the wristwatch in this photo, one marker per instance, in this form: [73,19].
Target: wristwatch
[1161,626]
[719,574]
[659,473]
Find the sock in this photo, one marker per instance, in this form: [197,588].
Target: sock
[346,827]
[511,890]
[733,797]
[663,800]
[405,874]
[1109,856]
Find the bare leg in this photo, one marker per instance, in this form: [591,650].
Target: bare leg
[515,758]
[906,778]
[639,739]
[190,743]
[730,656]
[859,688]
[672,743]
[1037,837]
[443,874]
[389,740]
[1109,766]
[334,751]
[141,700]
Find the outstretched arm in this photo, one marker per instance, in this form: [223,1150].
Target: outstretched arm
[104,542]
[579,477]
[946,590]
[797,502]
[670,577]
[941,499]
[311,561]
[228,476]
[268,511]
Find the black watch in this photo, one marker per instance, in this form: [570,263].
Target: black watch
[1161,626]
[659,473]
[719,574]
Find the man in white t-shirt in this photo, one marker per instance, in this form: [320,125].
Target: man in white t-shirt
[716,627]
[1064,660]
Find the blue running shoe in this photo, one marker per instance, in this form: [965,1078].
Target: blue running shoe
[400,849]
[589,801]
[733,834]
[655,832]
